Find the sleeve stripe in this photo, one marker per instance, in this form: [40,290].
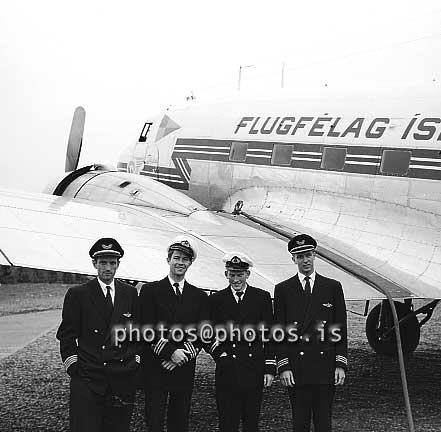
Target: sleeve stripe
[341,359]
[189,346]
[214,346]
[282,362]
[270,362]
[160,345]
[194,349]
[70,361]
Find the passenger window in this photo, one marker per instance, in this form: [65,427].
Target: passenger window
[281,155]
[333,158]
[395,162]
[238,152]
[144,132]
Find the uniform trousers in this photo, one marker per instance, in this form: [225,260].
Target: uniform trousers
[178,411]
[315,399]
[234,406]
[93,412]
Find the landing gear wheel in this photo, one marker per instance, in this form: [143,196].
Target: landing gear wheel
[380,320]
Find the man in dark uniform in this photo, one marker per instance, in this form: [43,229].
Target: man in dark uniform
[313,365]
[169,362]
[102,385]
[244,364]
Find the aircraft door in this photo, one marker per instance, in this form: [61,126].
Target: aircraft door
[220,178]
[221,175]
[145,154]
[151,162]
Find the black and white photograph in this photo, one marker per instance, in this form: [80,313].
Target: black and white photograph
[220,216]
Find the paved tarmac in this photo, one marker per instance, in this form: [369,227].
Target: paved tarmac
[17,331]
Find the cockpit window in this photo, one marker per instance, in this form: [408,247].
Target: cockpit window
[238,152]
[144,132]
[395,162]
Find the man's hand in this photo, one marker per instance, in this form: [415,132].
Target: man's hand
[287,378]
[168,365]
[339,376]
[180,356]
[268,380]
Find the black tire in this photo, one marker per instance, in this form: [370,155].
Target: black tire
[409,330]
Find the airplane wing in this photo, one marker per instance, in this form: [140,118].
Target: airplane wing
[395,277]
[55,233]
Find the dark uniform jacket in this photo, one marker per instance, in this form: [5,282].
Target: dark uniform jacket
[245,363]
[86,346]
[321,329]
[159,304]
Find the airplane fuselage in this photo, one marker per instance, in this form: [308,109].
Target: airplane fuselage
[362,174]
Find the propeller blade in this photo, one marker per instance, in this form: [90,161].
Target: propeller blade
[75,139]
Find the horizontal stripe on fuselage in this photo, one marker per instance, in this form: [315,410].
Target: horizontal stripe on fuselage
[424,163]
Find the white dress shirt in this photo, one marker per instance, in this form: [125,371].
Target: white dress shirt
[302,279]
[181,285]
[236,297]
[104,289]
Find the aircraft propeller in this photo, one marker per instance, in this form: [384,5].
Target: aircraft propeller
[75,139]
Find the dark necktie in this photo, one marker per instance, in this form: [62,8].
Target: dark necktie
[307,287]
[177,290]
[239,296]
[109,303]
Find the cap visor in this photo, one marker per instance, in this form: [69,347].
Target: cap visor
[183,249]
[109,253]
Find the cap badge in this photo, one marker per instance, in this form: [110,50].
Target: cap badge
[107,246]
[185,243]
[300,242]
[235,260]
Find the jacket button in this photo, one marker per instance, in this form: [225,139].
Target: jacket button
[103,347]
[96,331]
[234,355]
[121,360]
[321,352]
[234,345]
[105,363]
[301,353]
[249,343]
[250,355]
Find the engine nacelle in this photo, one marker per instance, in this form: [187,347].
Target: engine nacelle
[101,184]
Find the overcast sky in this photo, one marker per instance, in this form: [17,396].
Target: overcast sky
[124,60]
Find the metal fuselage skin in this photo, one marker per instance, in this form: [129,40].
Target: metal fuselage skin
[360,173]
